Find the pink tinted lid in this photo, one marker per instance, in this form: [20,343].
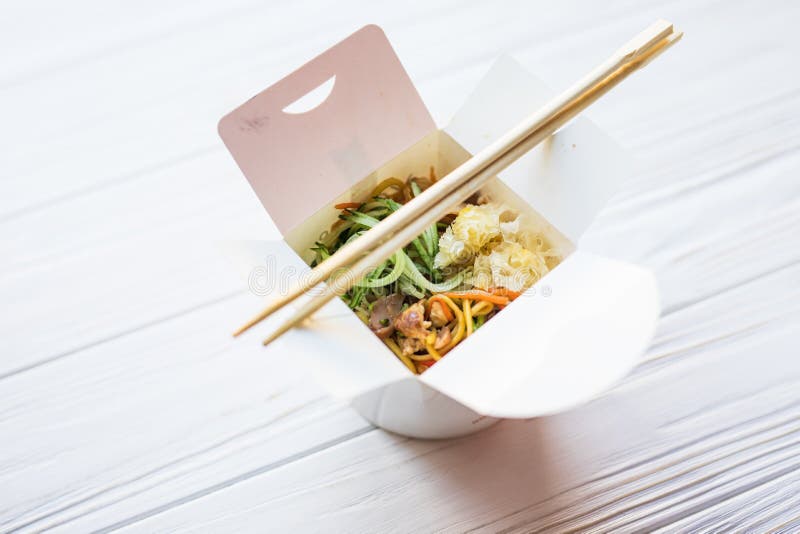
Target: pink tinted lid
[298,162]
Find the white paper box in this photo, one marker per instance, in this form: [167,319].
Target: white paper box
[568,338]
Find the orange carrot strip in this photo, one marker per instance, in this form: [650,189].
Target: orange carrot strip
[346,205]
[504,292]
[477,295]
[442,304]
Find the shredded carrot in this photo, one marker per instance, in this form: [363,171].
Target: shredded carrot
[346,205]
[442,297]
[477,295]
[436,299]
[504,292]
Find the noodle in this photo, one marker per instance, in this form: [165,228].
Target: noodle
[459,334]
[482,308]
[429,341]
[452,305]
[459,329]
[468,315]
[386,184]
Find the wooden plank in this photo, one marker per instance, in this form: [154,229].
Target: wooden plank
[616,463]
[720,421]
[126,258]
[166,413]
[201,71]
[136,478]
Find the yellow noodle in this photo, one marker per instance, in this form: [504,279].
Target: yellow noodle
[429,341]
[461,326]
[468,315]
[452,305]
[386,184]
[482,308]
[458,335]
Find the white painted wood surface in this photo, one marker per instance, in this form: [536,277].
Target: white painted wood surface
[125,405]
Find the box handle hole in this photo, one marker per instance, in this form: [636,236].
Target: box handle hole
[312,99]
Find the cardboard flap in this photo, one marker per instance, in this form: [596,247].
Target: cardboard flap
[296,162]
[579,330]
[341,353]
[569,177]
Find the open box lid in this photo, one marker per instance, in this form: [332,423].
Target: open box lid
[549,353]
[583,326]
[297,162]
[570,176]
[567,339]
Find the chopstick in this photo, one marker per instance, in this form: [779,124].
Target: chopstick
[404,225]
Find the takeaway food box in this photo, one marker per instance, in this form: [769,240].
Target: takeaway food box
[565,340]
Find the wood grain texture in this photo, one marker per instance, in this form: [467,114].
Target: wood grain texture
[125,405]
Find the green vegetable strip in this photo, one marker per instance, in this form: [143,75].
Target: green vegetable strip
[431,238]
[369,222]
[420,281]
[357,294]
[407,287]
[361,218]
[407,265]
[424,255]
[399,267]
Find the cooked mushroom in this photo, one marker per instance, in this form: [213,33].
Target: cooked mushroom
[384,312]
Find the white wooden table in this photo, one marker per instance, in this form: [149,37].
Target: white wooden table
[125,405]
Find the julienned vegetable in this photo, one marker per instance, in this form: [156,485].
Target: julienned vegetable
[443,286]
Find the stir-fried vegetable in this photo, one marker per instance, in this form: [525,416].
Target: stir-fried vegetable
[428,297]
[411,268]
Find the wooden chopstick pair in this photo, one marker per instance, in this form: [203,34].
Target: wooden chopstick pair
[359,257]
